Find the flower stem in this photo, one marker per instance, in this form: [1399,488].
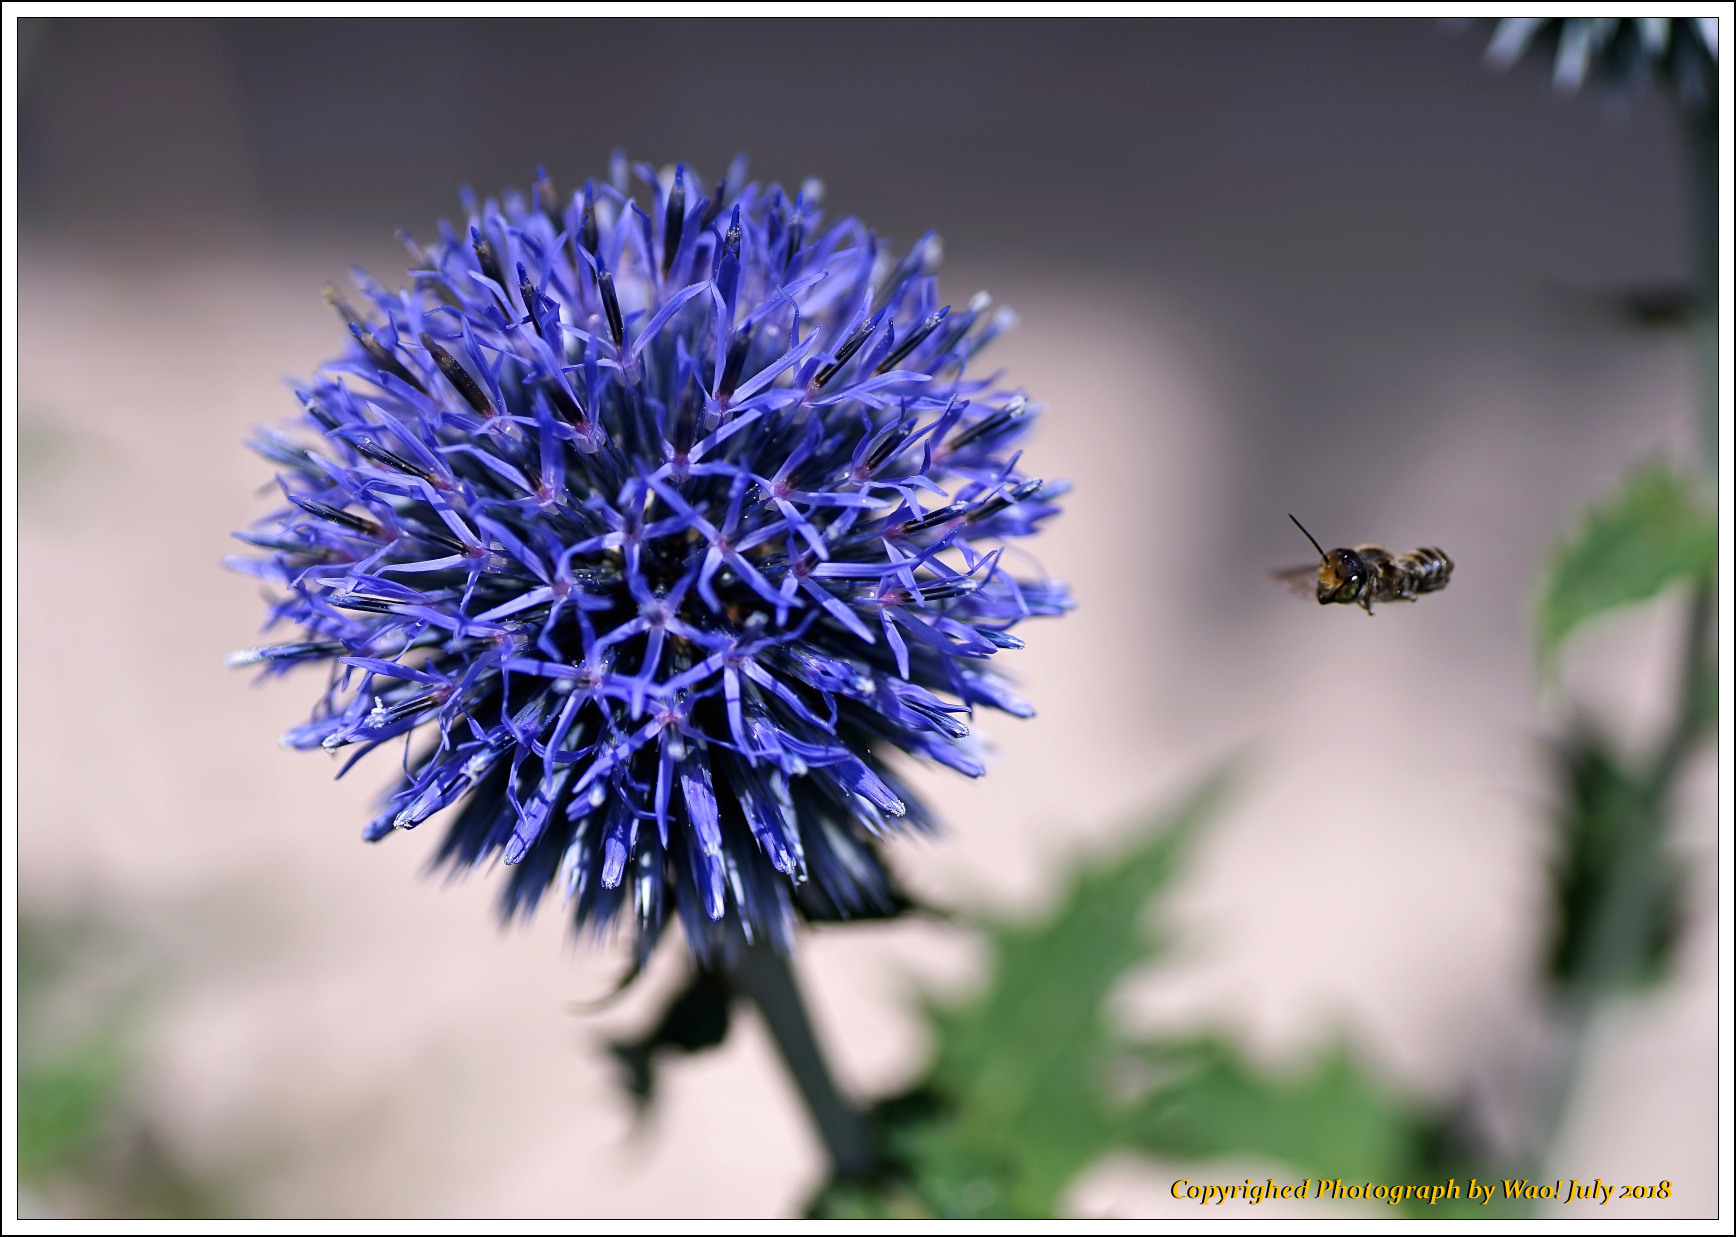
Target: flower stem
[763,975]
[1641,876]
[1699,127]
[1619,931]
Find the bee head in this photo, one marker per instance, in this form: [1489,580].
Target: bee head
[1342,577]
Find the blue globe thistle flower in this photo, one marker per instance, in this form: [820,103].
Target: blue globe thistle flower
[650,533]
[1626,53]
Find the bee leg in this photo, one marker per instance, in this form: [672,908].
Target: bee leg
[1368,605]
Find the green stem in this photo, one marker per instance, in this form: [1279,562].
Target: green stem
[1693,709]
[1699,127]
[1618,941]
[763,975]
[1641,872]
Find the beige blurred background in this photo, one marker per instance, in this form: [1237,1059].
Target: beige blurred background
[1334,268]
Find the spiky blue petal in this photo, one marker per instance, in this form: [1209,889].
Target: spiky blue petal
[647,534]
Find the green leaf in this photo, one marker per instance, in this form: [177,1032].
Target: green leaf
[1026,1062]
[1332,1122]
[1014,1105]
[1656,530]
[1031,1084]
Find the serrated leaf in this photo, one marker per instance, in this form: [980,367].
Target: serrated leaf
[1655,530]
[1024,1064]
[1014,1106]
[1032,1084]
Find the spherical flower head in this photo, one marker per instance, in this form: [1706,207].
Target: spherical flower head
[1625,53]
[647,534]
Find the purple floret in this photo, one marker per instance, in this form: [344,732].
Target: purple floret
[647,535]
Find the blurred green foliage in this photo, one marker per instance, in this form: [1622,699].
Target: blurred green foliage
[70,1081]
[1655,531]
[85,1146]
[1333,1121]
[64,1104]
[1031,1083]
[1618,894]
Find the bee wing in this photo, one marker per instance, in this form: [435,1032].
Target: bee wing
[1299,580]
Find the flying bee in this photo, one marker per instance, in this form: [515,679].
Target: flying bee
[1368,574]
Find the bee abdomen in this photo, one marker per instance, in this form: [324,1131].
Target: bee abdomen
[1429,569]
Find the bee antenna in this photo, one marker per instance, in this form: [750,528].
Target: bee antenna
[1310,536]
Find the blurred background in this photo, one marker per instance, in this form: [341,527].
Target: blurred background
[1331,267]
